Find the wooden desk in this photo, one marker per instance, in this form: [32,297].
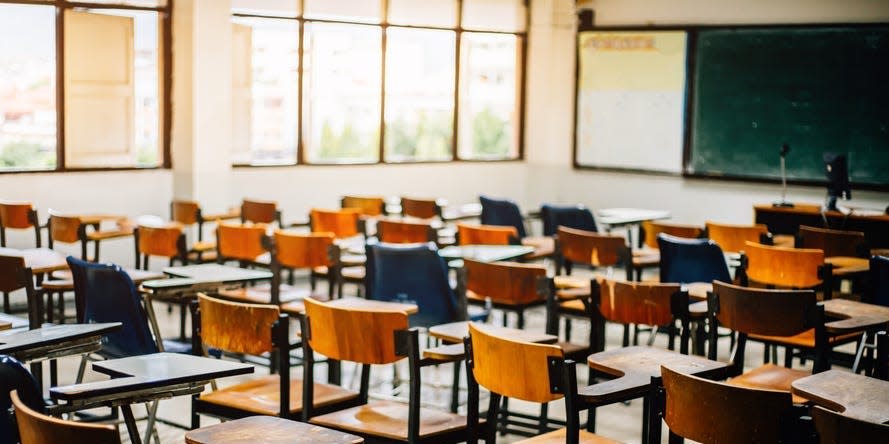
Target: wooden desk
[787,221]
[298,308]
[268,430]
[628,217]
[12,322]
[844,266]
[853,395]
[483,253]
[217,273]
[143,379]
[454,332]
[54,341]
[39,260]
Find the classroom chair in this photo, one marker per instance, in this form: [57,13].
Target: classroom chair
[399,232]
[571,216]
[345,223]
[468,234]
[260,212]
[731,238]
[420,208]
[649,256]
[15,378]
[37,428]
[70,230]
[832,242]
[189,213]
[368,337]
[18,216]
[507,286]
[369,206]
[242,243]
[167,241]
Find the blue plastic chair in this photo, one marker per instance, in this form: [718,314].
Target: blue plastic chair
[685,261]
[14,376]
[574,216]
[879,280]
[502,212]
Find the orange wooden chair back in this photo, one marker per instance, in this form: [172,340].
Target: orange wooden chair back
[259,212]
[16,215]
[485,234]
[303,250]
[591,248]
[783,267]
[64,228]
[342,223]
[396,232]
[37,428]
[647,303]
[495,367]
[504,282]
[744,415]
[652,228]
[367,205]
[420,208]
[185,212]
[731,238]
[240,242]
[237,327]
[832,242]
[357,335]
[764,312]
[160,241]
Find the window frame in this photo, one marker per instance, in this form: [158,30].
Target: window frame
[165,53]
[521,72]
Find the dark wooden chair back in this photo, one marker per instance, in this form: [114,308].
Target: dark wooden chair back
[240,242]
[18,215]
[397,232]
[302,250]
[185,212]
[342,223]
[11,277]
[368,205]
[651,228]
[636,302]
[591,248]
[834,428]
[349,334]
[259,212]
[504,282]
[37,428]
[420,208]
[731,238]
[486,235]
[783,267]
[708,411]
[237,327]
[832,242]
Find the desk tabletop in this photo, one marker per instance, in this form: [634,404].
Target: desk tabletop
[298,308]
[269,430]
[19,341]
[855,315]
[217,273]
[12,322]
[627,216]
[485,253]
[844,265]
[853,395]
[455,332]
[39,260]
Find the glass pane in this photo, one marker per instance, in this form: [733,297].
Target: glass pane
[282,8]
[348,10]
[489,113]
[270,114]
[342,93]
[419,94]
[428,12]
[142,3]
[494,15]
[27,87]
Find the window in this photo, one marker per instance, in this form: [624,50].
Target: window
[378,82]
[110,113]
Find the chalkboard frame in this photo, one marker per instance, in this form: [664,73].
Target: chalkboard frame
[692,31]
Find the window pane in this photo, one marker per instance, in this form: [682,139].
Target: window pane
[350,10]
[428,12]
[283,8]
[489,121]
[342,93]
[27,87]
[494,15]
[265,96]
[419,94]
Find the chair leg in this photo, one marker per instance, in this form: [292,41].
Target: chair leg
[543,422]
[82,369]
[6,307]
[195,416]
[455,389]
[149,427]
[788,357]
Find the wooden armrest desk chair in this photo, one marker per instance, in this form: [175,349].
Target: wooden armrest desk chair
[421,208]
[368,206]
[189,213]
[399,232]
[468,234]
[344,224]
[846,250]
[37,428]
[71,229]
[260,212]
[731,237]
[649,257]
[18,216]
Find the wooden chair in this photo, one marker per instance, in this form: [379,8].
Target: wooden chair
[260,212]
[509,286]
[70,230]
[420,208]
[708,411]
[649,256]
[254,329]
[785,267]
[14,276]
[369,337]
[834,428]
[369,206]
[37,428]
[344,223]
[18,216]
[189,213]
[166,241]
[242,243]
[486,235]
[541,375]
[832,242]
[398,232]
[731,238]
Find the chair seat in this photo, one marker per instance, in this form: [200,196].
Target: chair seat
[262,396]
[646,258]
[574,306]
[203,246]
[298,307]
[58,285]
[544,246]
[806,339]
[698,290]
[560,437]
[771,377]
[698,309]
[202,256]
[566,282]
[570,294]
[262,294]
[389,420]
[349,273]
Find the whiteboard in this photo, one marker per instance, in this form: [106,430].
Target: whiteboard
[631,99]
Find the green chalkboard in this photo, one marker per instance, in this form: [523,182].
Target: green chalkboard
[822,89]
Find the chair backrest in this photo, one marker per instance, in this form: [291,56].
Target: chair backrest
[185,212]
[367,205]
[259,212]
[504,282]
[647,303]
[691,260]
[651,228]
[420,208]
[879,280]
[502,212]
[11,277]
[591,248]
[105,293]
[365,336]
[302,250]
[731,238]
[784,267]
[15,377]
[495,366]
[166,240]
[709,411]
[18,215]
[237,327]
[833,428]
[240,242]
[342,223]
[65,229]
[37,428]
[761,311]
[832,242]
[573,216]
[485,235]
[397,232]
[412,273]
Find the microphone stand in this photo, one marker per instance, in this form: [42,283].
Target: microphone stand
[783,203]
